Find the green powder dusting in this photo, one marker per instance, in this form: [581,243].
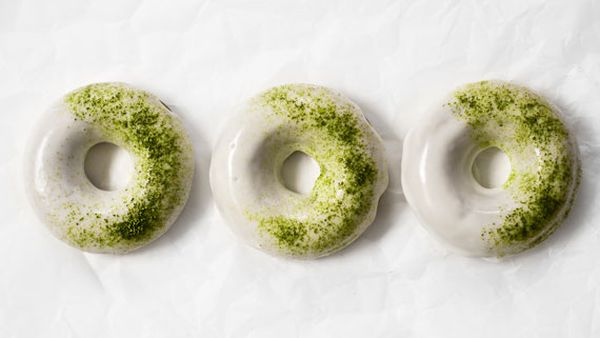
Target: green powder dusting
[138,122]
[542,181]
[343,194]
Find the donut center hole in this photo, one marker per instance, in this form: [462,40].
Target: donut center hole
[491,168]
[108,166]
[299,172]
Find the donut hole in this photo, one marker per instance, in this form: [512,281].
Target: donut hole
[491,168]
[108,166]
[299,172]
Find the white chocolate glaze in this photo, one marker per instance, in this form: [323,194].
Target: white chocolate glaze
[96,220]
[245,171]
[438,181]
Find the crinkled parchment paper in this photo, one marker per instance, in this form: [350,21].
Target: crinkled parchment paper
[394,58]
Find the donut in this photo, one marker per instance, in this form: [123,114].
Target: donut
[245,171]
[95,220]
[439,184]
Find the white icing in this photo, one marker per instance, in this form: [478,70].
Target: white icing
[245,174]
[438,183]
[55,177]
[440,186]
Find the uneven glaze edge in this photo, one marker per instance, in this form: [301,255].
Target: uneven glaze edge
[138,121]
[543,194]
[338,206]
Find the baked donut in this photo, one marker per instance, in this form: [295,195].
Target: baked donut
[438,181]
[246,180]
[96,220]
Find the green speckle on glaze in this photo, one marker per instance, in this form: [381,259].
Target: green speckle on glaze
[139,123]
[543,178]
[342,196]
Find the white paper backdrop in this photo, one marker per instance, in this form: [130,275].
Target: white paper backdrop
[394,58]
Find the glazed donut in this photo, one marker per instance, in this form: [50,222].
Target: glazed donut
[246,180]
[96,220]
[473,220]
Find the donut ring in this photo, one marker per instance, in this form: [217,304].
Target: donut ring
[437,170]
[95,220]
[247,185]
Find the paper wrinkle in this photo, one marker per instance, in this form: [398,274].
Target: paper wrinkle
[93,271]
[396,60]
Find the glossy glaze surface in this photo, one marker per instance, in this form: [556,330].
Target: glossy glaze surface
[96,220]
[247,185]
[437,170]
